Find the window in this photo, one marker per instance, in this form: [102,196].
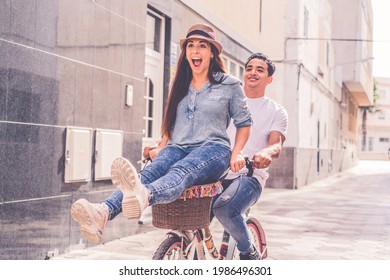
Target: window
[225,61]
[156,55]
[382,94]
[153,32]
[327,53]
[233,67]
[381,115]
[351,107]
[149,107]
[344,97]
[305,22]
[384,139]
[241,71]
[261,13]
[370,143]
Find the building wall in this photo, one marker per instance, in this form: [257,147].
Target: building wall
[354,56]
[313,104]
[260,28]
[62,63]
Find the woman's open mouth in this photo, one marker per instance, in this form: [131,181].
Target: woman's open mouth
[196,62]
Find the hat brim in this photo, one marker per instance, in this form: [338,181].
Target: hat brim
[213,42]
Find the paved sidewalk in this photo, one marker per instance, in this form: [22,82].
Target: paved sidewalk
[344,217]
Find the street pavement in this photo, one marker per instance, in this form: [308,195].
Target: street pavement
[344,217]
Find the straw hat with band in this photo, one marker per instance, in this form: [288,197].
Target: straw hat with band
[203,32]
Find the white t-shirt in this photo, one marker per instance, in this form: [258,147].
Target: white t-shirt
[267,116]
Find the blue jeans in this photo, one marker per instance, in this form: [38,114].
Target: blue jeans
[238,195]
[175,169]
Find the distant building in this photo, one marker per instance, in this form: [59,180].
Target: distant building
[82,82]
[375,131]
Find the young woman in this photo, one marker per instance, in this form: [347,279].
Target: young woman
[195,148]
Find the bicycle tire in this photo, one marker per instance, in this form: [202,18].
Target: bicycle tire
[171,249]
[257,237]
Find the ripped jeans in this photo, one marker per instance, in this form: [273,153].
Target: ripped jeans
[174,169]
[238,195]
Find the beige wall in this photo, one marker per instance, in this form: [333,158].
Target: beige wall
[352,57]
[241,20]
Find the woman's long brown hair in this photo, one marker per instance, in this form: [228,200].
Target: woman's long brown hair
[181,84]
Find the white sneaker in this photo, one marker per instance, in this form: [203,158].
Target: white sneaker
[135,195]
[92,218]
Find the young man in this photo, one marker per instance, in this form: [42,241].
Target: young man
[269,131]
[240,192]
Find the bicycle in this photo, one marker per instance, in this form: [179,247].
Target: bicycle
[186,239]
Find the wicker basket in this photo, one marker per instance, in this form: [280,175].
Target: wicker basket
[191,211]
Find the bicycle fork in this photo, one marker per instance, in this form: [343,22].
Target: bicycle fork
[192,241]
[227,244]
[209,242]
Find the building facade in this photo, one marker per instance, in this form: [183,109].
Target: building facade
[83,81]
[375,129]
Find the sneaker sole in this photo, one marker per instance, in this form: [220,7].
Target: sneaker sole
[81,214]
[124,176]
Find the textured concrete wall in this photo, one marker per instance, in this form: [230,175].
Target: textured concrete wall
[62,63]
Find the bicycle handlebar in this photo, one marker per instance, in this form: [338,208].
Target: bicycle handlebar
[248,164]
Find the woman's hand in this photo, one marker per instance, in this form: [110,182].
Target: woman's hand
[151,151]
[237,162]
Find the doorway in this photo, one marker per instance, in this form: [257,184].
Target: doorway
[154,77]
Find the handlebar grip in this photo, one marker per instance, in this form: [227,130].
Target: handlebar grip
[249,166]
[145,160]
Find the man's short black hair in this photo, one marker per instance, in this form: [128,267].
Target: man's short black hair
[259,55]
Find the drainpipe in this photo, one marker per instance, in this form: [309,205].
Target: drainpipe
[364,130]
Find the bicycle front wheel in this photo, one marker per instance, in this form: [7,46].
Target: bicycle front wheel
[257,237]
[171,248]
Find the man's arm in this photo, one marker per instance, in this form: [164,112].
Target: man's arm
[264,157]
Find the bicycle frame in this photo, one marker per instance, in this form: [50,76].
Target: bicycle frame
[191,237]
[196,240]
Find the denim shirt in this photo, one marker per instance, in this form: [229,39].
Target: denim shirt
[204,115]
